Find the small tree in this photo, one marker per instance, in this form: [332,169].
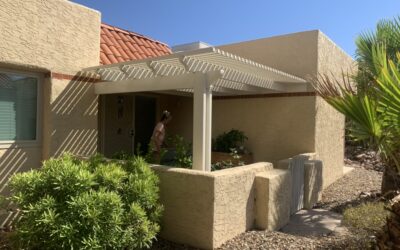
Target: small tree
[95,204]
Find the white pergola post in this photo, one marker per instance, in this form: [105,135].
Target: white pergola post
[208,125]
[202,118]
[201,124]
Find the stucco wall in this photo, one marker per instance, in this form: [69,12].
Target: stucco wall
[234,201]
[273,195]
[181,108]
[306,54]
[52,37]
[332,58]
[70,118]
[329,141]
[13,160]
[329,128]
[277,127]
[293,53]
[188,200]
[17,159]
[57,35]
[204,209]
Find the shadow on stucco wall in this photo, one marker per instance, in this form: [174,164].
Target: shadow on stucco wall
[69,124]
[73,117]
[13,160]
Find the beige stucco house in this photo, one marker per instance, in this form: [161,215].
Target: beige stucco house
[70,83]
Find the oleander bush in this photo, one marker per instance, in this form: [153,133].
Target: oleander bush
[87,204]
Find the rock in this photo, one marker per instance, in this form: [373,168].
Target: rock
[364,194]
[367,159]
[360,156]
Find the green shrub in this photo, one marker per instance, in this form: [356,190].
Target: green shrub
[229,163]
[367,216]
[227,141]
[94,204]
[121,155]
[182,148]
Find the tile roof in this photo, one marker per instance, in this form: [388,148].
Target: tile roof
[118,45]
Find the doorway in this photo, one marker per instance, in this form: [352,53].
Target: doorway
[145,112]
[127,123]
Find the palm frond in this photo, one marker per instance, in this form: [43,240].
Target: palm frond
[375,117]
[387,35]
[360,109]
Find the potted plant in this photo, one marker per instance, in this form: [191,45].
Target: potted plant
[227,143]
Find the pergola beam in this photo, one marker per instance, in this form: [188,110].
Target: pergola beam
[148,84]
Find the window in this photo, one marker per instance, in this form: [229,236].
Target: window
[18,107]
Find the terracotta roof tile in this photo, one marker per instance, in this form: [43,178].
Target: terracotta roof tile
[118,45]
[104,49]
[138,41]
[104,59]
[123,45]
[115,51]
[138,48]
[112,58]
[139,56]
[123,54]
[130,46]
[104,39]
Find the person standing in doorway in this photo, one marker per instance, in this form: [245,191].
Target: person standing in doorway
[157,139]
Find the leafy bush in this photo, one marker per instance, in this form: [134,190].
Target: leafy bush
[182,149]
[233,139]
[121,155]
[228,164]
[368,216]
[94,204]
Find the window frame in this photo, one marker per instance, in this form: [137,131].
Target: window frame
[28,143]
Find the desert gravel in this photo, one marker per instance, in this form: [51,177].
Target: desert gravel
[358,186]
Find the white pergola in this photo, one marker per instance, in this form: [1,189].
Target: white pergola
[203,72]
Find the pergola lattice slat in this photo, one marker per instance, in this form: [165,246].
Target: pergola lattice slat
[202,73]
[236,69]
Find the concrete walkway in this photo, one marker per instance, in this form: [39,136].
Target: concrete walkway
[315,222]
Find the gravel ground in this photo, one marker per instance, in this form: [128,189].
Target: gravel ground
[278,240]
[358,186]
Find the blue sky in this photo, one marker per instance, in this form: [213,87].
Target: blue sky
[226,21]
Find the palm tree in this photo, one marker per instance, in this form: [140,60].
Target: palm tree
[375,115]
[371,101]
[387,34]
[371,98]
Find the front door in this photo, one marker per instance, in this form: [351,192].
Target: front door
[145,108]
[117,122]
[127,123]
